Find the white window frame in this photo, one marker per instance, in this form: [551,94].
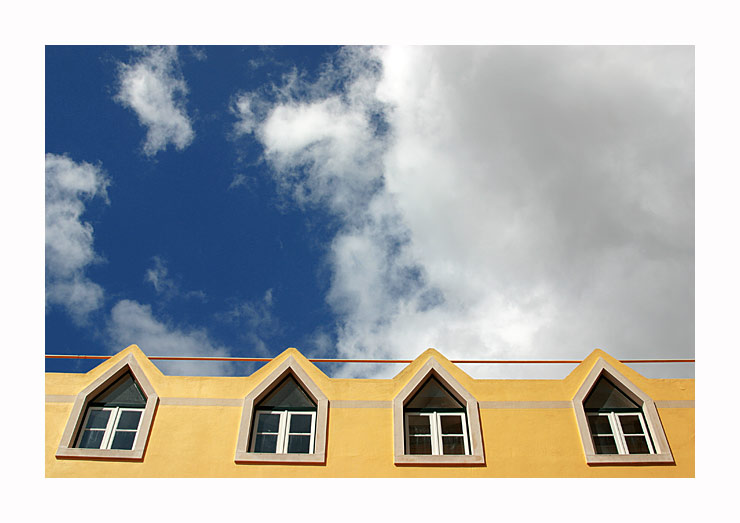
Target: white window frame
[435,426]
[111,427]
[618,433]
[283,434]
[650,418]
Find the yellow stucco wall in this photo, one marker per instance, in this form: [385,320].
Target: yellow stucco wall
[200,441]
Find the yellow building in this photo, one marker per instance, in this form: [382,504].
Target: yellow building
[125,418]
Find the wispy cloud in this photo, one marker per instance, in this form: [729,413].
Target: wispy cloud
[154,88]
[69,239]
[165,285]
[132,322]
[258,323]
[497,202]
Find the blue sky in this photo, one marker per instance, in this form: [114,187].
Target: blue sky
[491,202]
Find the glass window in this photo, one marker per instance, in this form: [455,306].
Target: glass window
[616,422]
[113,417]
[285,421]
[435,422]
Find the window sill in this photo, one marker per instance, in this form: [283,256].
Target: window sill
[627,459]
[417,459]
[112,454]
[258,457]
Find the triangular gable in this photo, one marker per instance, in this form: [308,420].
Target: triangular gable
[126,364]
[289,367]
[603,369]
[432,368]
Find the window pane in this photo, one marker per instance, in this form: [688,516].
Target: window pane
[299,444]
[451,424]
[605,445]
[98,419]
[266,443]
[91,439]
[453,445]
[300,423]
[268,423]
[419,425]
[599,425]
[123,440]
[124,391]
[637,445]
[631,424]
[420,444]
[433,395]
[286,395]
[129,419]
[605,395]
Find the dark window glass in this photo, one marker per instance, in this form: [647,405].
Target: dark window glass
[123,440]
[124,392]
[605,445]
[97,419]
[599,425]
[432,395]
[453,445]
[91,439]
[266,443]
[287,395]
[299,444]
[300,423]
[268,423]
[418,425]
[631,424]
[637,445]
[129,419]
[451,424]
[420,445]
[605,395]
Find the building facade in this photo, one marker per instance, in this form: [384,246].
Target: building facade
[124,418]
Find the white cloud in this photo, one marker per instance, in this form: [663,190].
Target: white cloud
[157,276]
[69,239]
[154,88]
[134,323]
[166,286]
[524,202]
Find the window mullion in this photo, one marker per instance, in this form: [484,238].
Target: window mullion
[112,422]
[617,431]
[436,434]
[282,440]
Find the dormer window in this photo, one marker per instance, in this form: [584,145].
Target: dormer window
[285,421]
[617,423]
[435,422]
[113,417]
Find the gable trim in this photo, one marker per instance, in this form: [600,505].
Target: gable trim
[66,447]
[652,419]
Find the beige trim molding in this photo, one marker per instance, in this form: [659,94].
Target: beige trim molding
[66,446]
[288,366]
[662,450]
[202,402]
[675,404]
[361,404]
[60,398]
[525,404]
[433,367]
